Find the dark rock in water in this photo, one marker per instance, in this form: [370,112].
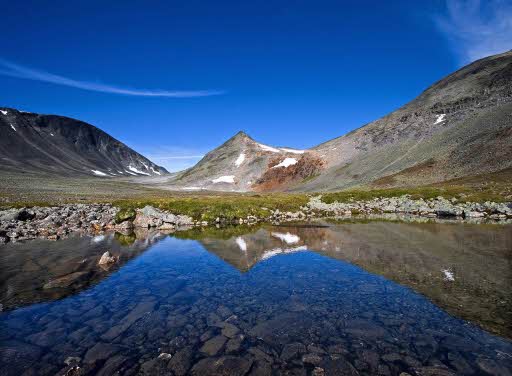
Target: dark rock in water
[229,330]
[213,346]
[155,367]
[140,310]
[234,345]
[100,351]
[181,361]
[446,213]
[224,366]
[283,328]
[292,351]
[112,365]
[491,367]
[66,280]
[433,371]
[313,359]
[261,368]
[18,356]
[335,367]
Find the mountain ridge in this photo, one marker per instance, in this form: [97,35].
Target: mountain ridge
[63,146]
[459,126]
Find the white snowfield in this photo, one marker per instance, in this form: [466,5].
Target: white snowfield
[287,238]
[155,171]
[12,126]
[99,173]
[121,172]
[240,160]
[3,112]
[224,179]
[269,148]
[294,151]
[131,173]
[241,244]
[131,168]
[286,162]
[278,251]
[440,118]
[51,134]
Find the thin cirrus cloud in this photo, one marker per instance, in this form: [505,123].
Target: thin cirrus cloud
[476,29]
[15,70]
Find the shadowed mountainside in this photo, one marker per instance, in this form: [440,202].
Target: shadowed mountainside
[61,146]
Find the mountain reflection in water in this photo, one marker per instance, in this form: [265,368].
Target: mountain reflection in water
[291,299]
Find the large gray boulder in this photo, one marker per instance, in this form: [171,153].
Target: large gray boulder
[151,217]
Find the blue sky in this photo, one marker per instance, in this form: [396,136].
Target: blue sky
[174,79]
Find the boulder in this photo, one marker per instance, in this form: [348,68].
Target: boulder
[106,259]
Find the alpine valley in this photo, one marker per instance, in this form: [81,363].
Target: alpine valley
[458,128]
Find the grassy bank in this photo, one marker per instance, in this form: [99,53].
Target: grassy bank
[230,207]
[461,193]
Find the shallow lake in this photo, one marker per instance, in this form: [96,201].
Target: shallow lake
[319,298]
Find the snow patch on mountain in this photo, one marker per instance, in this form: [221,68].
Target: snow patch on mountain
[155,171]
[224,179]
[240,160]
[440,119]
[132,168]
[12,126]
[286,162]
[294,151]
[99,173]
[269,148]
[3,112]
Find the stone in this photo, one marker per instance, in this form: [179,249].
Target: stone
[338,366]
[292,350]
[112,365]
[72,360]
[224,366]
[66,280]
[107,258]
[229,330]
[234,345]
[181,362]
[313,359]
[433,371]
[213,346]
[100,351]
[140,310]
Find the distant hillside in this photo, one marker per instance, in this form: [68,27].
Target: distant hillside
[57,145]
[461,126]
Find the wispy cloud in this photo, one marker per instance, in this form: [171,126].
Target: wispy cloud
[8,68]
[477,28]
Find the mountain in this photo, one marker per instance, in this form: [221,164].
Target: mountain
[243,164]
[459,127]
[57,145]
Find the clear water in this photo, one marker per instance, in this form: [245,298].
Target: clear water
[334,299]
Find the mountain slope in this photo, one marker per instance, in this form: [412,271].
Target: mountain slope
[460,126]
[57,145]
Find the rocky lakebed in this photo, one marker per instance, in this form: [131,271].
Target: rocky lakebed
[415,287]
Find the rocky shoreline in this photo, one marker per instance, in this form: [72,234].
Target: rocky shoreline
[58,222]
